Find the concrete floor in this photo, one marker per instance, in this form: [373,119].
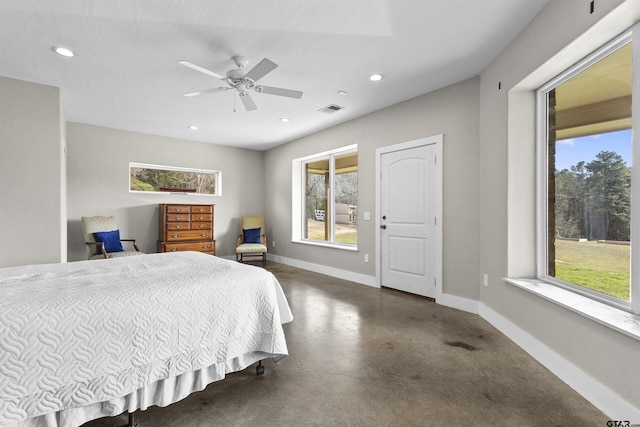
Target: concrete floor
[360,356]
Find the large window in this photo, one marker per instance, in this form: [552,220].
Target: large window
[329,204]
[585,167]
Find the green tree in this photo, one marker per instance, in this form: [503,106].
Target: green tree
[315,193]
[346,187]
[138,185]
[570,198]
[593,200]
[609,197]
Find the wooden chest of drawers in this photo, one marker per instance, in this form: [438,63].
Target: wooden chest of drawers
[186,228]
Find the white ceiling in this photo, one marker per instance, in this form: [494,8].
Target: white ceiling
[125,73]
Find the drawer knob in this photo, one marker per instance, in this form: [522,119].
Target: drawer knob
[201,226]
[178,226]
[174,249]
[201,218]
[178,217]
[205,247]
[178,210]
[203,235]
[175,236]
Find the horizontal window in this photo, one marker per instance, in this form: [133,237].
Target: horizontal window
[168,179]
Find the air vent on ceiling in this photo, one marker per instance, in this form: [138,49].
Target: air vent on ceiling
[332,108]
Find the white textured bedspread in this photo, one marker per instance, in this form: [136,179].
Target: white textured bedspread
[79,333]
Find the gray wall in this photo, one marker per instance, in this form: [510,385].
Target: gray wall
[452,111]
[98,184]
[31,174]
[564,32]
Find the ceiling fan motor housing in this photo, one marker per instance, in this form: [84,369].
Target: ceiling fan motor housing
[236,77]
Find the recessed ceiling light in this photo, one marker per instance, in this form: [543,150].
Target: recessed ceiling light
[342,92]
[62,51]
[193,127]
[284,120]
[376,77]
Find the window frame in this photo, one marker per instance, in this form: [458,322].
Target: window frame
[216,173]
[605,50]
[299,197]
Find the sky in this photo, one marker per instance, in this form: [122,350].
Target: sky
[571,151]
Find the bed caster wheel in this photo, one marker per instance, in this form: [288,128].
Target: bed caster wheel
[260,369]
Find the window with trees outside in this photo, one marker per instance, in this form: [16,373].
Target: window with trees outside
[170,179]
[330,211]
[585,169]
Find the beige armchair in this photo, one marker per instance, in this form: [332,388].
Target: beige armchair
[252,241]
[102,238]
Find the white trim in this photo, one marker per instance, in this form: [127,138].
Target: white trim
[171,168]
[341,246]
[340,150]
[635,173]
[612,317]
[459,303]
[447,300]
[598,394]
[438,141]
[542,184]
[298,197]
[362,279]
[597,55]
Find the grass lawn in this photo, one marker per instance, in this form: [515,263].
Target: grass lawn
[599,266]
[345,233]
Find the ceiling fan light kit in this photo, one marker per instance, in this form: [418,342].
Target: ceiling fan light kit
[243,81]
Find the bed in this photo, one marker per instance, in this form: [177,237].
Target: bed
[84,340]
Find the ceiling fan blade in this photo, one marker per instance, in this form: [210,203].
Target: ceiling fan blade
[201,69]
[246,99]
[263,68]
[279,91]
[202,92]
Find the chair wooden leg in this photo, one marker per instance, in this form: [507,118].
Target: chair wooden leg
[252,258]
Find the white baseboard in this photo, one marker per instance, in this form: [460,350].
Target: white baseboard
[459,303]
[598,394]
[363,279]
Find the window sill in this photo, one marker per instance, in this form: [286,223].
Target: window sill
[327,245]
[614,318]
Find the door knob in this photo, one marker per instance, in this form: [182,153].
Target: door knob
[384,227]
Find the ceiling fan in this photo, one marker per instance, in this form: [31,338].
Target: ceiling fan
[243,81]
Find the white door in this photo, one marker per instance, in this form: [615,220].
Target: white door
[408,219]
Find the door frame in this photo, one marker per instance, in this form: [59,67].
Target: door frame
[438,141]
